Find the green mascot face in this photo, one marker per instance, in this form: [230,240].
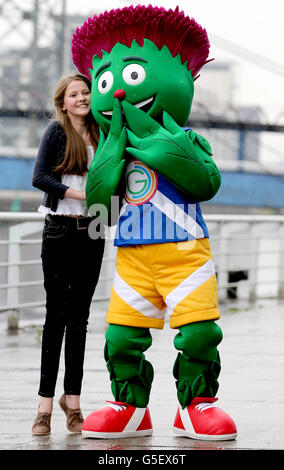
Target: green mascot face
[151,79]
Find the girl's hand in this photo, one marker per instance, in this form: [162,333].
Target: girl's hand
[74,194]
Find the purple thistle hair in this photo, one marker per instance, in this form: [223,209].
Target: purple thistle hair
[171,28]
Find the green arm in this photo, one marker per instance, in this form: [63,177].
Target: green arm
[183,157]
[108,164]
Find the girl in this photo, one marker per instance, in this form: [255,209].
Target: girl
[71,260]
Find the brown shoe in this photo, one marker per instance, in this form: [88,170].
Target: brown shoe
[41,426]
[74,416]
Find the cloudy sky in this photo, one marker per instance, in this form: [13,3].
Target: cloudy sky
[248,33]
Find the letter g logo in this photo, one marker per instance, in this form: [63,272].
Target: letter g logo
[141,183]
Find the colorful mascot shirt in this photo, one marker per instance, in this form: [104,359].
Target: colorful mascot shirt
[154,211]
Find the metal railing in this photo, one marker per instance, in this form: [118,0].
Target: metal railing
[248,253]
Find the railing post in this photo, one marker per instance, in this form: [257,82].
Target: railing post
[254,253]
[267,264]
[281,261]
[13,276]
[223,262]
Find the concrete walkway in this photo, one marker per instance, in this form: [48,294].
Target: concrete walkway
[251,384]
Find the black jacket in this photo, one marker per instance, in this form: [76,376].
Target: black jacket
[50,154]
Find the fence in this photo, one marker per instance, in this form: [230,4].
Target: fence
[248,253]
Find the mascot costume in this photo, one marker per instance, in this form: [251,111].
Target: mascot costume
[142,62]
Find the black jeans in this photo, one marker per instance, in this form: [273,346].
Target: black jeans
[71,263]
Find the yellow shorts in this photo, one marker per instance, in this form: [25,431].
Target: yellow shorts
[174,278]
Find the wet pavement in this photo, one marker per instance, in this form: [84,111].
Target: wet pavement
[251,384]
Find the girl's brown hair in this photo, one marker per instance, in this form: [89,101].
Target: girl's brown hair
[76,157]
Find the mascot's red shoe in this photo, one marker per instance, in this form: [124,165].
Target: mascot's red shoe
[203,420]
[117,420]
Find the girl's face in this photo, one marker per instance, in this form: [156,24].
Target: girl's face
[77,99]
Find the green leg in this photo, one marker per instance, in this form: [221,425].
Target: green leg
[197,367]
[131,375]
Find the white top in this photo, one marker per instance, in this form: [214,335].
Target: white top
[68,206]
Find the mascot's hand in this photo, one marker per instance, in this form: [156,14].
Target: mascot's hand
[181,156]
[108,164]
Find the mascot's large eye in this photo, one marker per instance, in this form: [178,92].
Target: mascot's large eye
[134,74]
[105,82]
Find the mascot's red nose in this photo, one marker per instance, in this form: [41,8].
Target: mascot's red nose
[119,94]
